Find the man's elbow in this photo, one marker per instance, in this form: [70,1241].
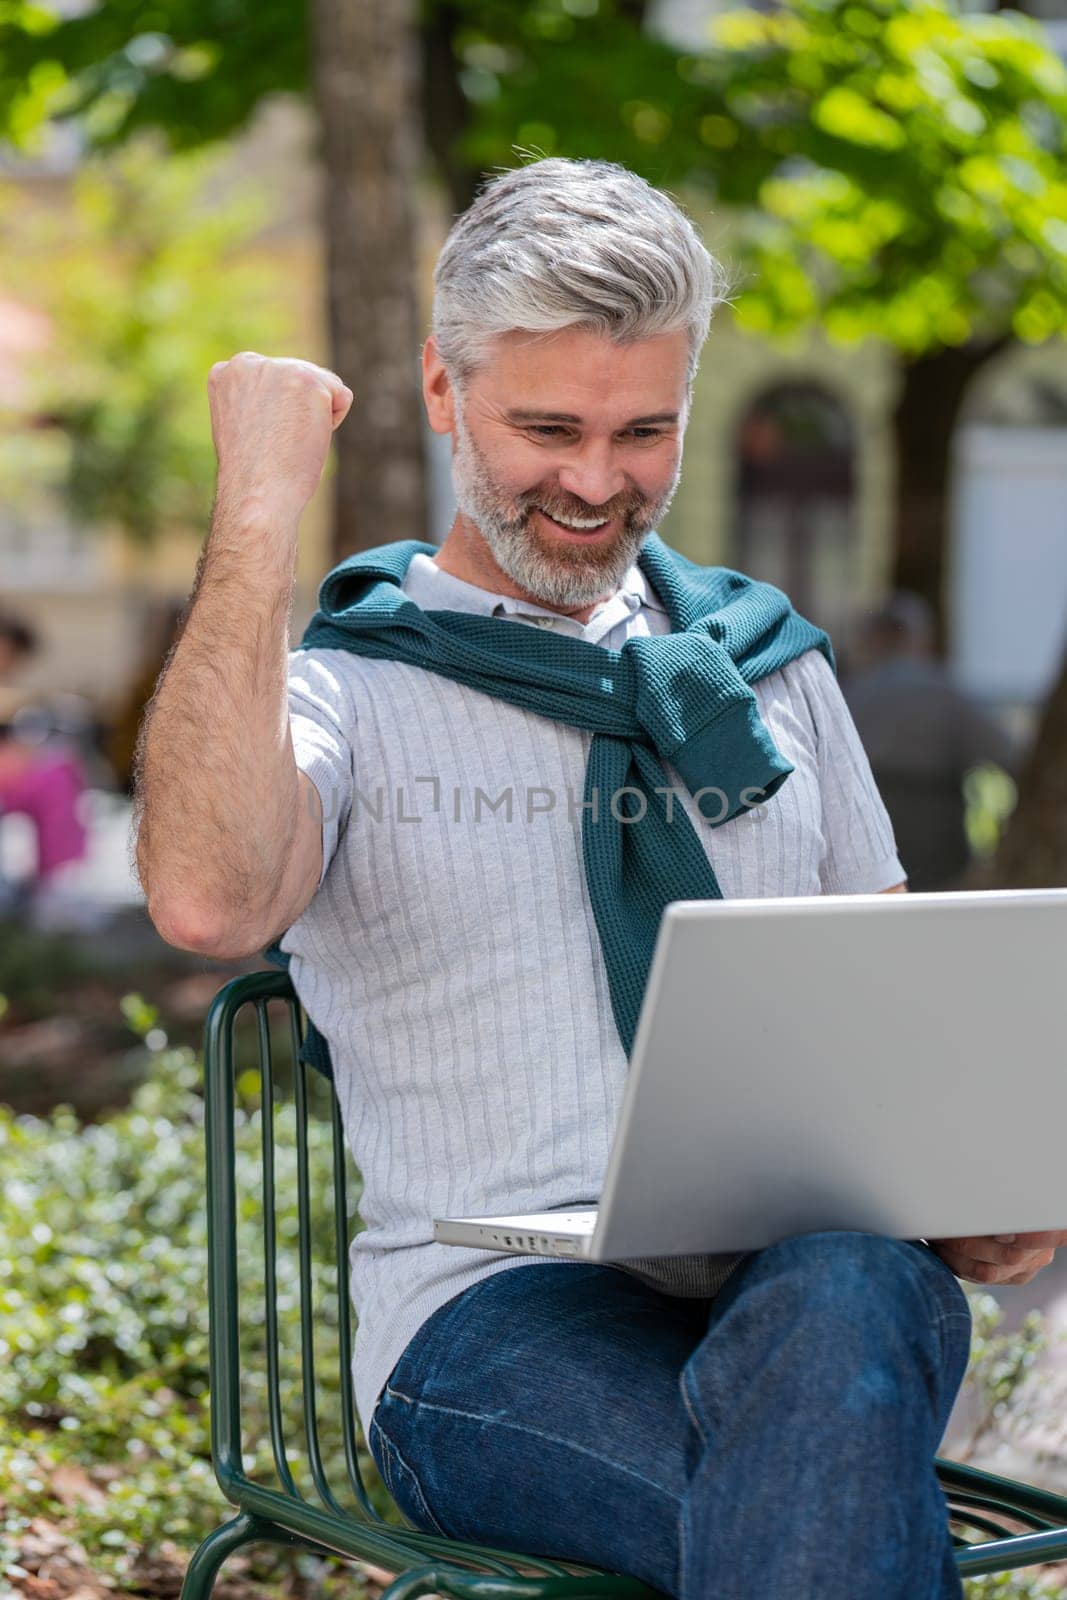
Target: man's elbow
[187,928]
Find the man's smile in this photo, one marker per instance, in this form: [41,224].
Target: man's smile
[577,534]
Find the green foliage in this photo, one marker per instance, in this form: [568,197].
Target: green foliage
[1012,1586]
[103,1315]
[896,168]
[998,1377]
[147,285]
[999,1369]
[579,78]
[198,69]
[990,796]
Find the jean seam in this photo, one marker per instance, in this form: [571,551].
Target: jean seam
[940,1318]
[689,1404]
[384,1465]
[690,1407]
[391,1453]
[537,1433]
[937,1313]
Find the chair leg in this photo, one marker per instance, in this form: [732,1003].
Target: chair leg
[416,1581]
[243,1529]
[208,1557]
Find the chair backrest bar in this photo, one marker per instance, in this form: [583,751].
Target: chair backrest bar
[270,1251]
[344,1312]
[257,990]
[307,1301]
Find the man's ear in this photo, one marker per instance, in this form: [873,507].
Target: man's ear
[437,391]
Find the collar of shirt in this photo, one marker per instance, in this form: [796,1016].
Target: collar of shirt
[434,589]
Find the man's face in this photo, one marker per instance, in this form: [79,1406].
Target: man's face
[570,426]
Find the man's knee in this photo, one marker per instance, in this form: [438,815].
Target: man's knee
[854,1275]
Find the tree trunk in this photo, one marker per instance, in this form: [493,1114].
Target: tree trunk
[365,72]
[932,394]
[446,108]
[1033,851]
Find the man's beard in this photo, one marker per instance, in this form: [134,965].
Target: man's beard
[563,575]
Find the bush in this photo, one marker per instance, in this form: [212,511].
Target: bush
[103,1312]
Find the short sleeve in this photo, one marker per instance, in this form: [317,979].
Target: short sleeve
[859,851]
[321,720]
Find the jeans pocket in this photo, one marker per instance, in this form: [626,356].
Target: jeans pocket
[402,1482]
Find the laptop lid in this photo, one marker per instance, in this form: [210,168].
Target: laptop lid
[890,1063]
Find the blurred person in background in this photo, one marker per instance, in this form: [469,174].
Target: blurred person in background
[42,778]
[922,734]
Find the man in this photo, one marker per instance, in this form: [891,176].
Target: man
[423,839]
[922,734]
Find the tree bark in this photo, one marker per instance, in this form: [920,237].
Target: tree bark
[446,109]
[932,394]
[365,75]
[1033,851]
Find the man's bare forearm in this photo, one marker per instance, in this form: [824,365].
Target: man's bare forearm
[225,855]
[217,783]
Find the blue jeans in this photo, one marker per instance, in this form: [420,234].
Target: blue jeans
[774,1443]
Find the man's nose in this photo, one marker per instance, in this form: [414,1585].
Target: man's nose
[591,473]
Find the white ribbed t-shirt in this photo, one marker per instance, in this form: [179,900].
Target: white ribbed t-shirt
[450,956]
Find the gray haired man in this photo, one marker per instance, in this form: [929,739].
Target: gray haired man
[415,837]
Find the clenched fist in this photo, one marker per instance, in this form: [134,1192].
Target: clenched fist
[272,419]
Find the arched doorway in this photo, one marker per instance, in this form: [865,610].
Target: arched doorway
[794,522]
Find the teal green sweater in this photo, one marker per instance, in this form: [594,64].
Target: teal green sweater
[683,698]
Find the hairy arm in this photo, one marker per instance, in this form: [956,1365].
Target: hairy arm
[229,847]
[229,841]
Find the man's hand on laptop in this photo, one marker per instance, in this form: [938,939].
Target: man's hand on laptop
[1005,1258]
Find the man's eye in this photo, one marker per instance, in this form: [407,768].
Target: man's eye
[549,430]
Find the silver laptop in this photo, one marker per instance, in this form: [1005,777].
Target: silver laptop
[895,1064]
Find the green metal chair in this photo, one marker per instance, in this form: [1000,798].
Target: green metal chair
[279,1512]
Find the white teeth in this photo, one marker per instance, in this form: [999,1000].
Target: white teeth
[569,522]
